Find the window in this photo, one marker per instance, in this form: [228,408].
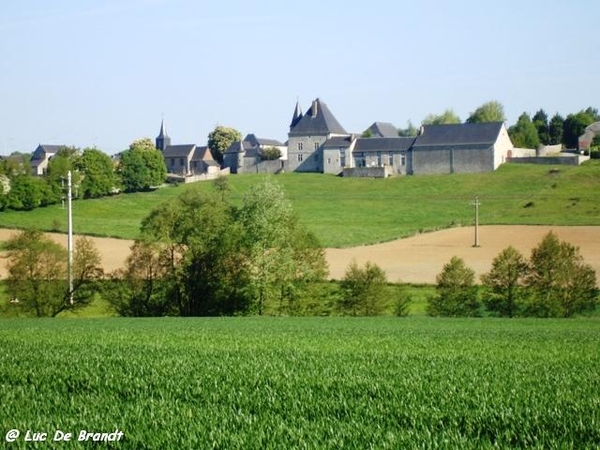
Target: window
[403,160]
[379,159]
[328,160]
[342,157]
[391,159]
[316,146]
[181,161]
[299,156]
[299,146]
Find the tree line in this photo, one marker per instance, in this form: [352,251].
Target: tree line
[554,282]
[94,174]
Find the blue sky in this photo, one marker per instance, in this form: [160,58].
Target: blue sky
[103,73]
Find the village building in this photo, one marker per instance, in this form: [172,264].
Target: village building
[186,162]
[41,156]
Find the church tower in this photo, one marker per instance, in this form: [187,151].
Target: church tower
[162,140]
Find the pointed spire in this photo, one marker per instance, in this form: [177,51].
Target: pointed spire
[163,129]
[162,140]
[297,115]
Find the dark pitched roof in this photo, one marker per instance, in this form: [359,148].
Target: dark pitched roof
[459,134]
[42,150]
[338,141]
[178,151]
[239,147]
[383,129]
[397,144]
[318,120]
[297,116]
[202,154]
[256,141]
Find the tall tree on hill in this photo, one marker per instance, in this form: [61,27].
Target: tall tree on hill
[409,131]
[447,117]
[540,121]
[491,111]
[555,130]
[142,166]
[220,139]
[524,133]
[98,173]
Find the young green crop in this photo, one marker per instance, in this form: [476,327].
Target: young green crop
[305,382]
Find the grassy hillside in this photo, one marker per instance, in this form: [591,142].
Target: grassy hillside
[348,212]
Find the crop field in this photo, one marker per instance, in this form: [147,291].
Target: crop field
[345,212]
[303,382]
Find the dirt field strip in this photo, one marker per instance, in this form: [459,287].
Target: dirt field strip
[416,259]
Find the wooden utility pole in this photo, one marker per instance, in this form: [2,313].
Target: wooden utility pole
[477,205]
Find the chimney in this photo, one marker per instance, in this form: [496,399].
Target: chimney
[314,108]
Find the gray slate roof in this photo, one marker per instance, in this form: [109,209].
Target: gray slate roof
[202,153]
[235,147]
[397,144]
[338,141]
[383,129]
[319,121]
[179,151]
[44,149]
[255,141]
[459,134]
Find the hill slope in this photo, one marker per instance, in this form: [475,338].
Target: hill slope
[349,212]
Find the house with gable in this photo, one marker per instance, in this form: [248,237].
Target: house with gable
[459,148]
[41,156]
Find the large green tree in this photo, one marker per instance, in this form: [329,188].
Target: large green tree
[220,139]
[142,166]
[275,259]
[524,134]
[492,111]
[214,258]
[37,274]
[447,117]
[456,292]
[559,281]
[504,283]
[98,173]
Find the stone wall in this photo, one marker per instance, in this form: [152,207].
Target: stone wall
[368,172]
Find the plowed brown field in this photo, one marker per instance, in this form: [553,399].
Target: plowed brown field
[416,259]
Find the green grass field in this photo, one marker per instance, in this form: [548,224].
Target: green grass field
[285,383]
[347,212]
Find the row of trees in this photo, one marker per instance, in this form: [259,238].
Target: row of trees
[555,282]
[94,174]
[528,132]
[198,256]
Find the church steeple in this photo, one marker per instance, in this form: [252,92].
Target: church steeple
[297,116]
[162,140]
